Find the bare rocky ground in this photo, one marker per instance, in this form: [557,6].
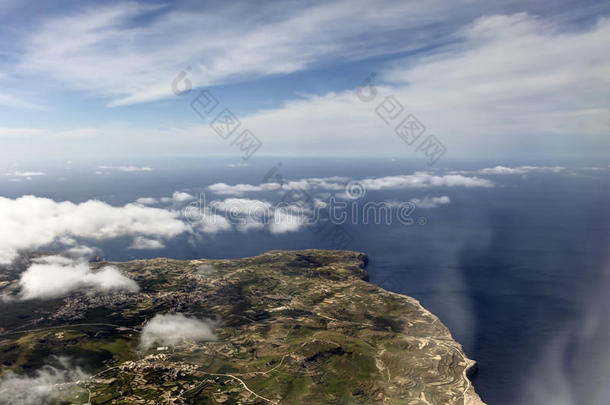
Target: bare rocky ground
[292,327]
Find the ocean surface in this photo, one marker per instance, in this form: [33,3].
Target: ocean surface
[519,272]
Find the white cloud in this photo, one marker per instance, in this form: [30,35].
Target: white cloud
[514,170]
[499,87]
[508,76]
[173,329]
[180,196]
[303,184]
[423,180]
[242,206]
[284,221]
[127,168]
[177,197]
[249,214]
[47,383]
[522,169]
[319,203]
[141,243]
[207,222]
[146,201]
[30,222]
[430,202]
[240,189]
[85,48]
[80,251]
[498,84]
[57,276]
[407,181]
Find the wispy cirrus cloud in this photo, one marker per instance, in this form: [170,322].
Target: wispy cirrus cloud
[483,76]
[9,100]
[6,132]
[73,133]
[84,48]
[503,79]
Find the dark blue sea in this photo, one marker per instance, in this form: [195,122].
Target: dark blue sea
[519,272]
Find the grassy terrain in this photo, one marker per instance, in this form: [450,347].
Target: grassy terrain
[293,328]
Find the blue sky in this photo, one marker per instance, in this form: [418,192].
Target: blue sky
[487,78]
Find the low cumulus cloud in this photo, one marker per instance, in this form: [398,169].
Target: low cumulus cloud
[500,170]
[303,184]
[176,197]
[408,181]
[58,276]
[141,243]
[173,329]
[203,220]
[180,196]
[286,221]
[249,214]
[147,201]
[80,251]
[50,383]
[424,180]
[126,168]
[30,222]
[240,189]
[431,202]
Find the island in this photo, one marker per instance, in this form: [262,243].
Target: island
[284,327]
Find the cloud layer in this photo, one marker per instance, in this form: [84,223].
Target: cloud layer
[417,180]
